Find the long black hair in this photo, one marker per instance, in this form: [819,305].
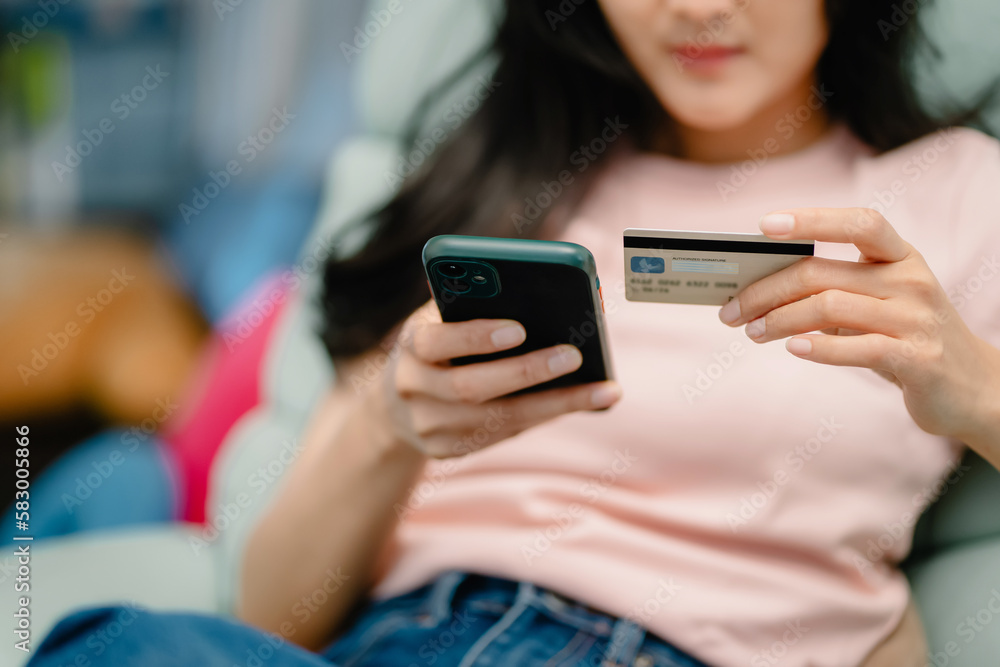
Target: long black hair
[562,81]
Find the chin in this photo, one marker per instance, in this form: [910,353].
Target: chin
[709,117]
[709,112]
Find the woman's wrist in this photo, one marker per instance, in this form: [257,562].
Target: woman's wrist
[981,430]
[352,430]
[374,425]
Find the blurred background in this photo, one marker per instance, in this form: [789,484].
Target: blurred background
[182,142]
[161,164]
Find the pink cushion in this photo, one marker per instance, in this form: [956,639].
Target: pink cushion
[226,388]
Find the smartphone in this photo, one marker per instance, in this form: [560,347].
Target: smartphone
[550,287]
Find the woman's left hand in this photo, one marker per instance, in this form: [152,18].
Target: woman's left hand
[887,312]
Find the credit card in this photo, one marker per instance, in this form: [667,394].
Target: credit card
[710,268]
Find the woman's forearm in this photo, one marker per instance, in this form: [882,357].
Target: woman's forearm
[312,556]
[363,452]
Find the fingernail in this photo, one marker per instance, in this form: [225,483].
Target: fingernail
[730,312]
[508,336]
[565,360]
[777,223]
[799,345]
[606,395]
[756,328]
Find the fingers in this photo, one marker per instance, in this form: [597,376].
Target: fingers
[548,404]
[477,383]
[449,429]
[517,412]
[868,350]
[832,309]
[450,410]
[805,278]
[436,342]
[907,359]
[866,228]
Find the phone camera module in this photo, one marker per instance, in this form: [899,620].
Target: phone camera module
[457,286]
[450,270]
[468,278]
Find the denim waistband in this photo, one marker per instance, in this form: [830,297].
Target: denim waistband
[452,591]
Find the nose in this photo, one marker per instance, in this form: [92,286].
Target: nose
[699,11]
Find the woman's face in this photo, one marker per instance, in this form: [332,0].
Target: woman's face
[716,64]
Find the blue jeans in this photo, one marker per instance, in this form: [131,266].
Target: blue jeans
[460,619]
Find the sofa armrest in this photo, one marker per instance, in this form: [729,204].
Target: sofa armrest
[962,512]
[958,593]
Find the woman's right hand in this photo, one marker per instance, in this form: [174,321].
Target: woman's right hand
[447,411]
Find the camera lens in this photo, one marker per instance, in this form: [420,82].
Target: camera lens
[457,286]
[451,270]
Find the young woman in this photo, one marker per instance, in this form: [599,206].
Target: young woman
[723,512]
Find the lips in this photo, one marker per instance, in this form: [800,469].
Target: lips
[712,54]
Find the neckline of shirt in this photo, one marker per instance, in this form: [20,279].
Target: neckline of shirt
[838,140]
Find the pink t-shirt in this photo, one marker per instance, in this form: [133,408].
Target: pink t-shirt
[742,503]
